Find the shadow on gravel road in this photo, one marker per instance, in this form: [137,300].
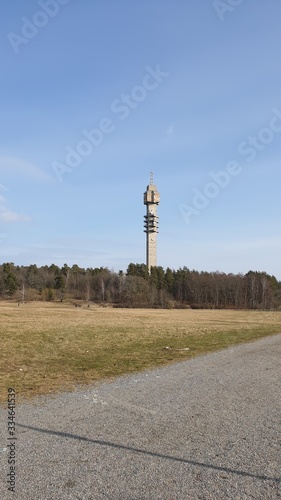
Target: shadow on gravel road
[152,454]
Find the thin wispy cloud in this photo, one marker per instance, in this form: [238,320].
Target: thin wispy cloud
[7,216]
[18,167]
[253,245]
[170,129]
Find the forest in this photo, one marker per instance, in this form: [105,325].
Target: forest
[162,288]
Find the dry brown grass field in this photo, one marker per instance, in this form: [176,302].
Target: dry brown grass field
[48,347]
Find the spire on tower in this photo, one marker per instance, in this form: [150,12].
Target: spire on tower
[151,178]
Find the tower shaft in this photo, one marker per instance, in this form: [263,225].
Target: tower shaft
[151,200]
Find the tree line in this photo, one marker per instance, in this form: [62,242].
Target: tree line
[166,288]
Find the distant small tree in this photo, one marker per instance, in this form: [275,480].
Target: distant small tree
[10,280]
[11,284]
[138,270]
[23,293]
[60,285]
[48,294]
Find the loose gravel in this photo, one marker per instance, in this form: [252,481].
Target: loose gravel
[208,428]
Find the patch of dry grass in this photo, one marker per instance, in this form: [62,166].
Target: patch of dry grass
[49,347]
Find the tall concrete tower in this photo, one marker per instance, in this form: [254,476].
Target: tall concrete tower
[151,199]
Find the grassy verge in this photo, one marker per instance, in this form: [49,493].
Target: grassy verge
[46,348]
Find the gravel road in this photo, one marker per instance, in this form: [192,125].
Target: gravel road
[208,428]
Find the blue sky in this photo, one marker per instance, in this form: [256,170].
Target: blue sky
[199,86]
